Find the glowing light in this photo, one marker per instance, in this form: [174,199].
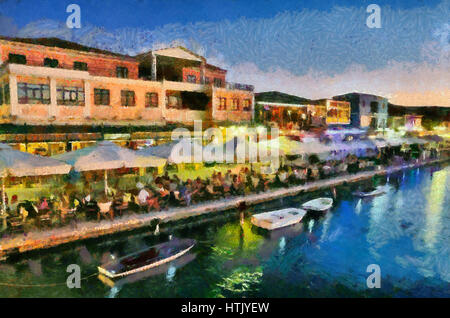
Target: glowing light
[282,245]
[171,273]
[435,203]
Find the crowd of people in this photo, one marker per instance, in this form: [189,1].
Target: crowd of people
[157,192]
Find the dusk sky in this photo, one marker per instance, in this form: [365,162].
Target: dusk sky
[313,49]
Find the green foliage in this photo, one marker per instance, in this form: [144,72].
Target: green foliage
[429,123]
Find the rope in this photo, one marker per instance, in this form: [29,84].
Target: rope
[43,285]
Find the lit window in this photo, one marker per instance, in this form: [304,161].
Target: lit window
[222,103]
[235,104]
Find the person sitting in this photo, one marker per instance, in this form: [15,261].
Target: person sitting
[186,193]
[236,186]
[152,202]
[142,197]
[13,206]
[227,182]
[43,206]
[105,207]
[255,182]
[23,213]
[210,193]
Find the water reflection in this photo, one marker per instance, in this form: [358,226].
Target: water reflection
[405,231]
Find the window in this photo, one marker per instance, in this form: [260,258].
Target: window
[222,103]
[217,82]
[192,79]
[48,62]
[101,96]
[17,58]
[80,66]
[6,94]
[247,105]
[73,96]
[151,100]
[122,72]
[235,104]
[173,101]
[33,93]
[374,107]
[127,98]
[207,80]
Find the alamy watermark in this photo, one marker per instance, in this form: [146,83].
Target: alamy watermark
[74,279]
[374,19]
[239,145]
[74,19]
[374,279]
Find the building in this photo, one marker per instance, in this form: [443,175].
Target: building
[413,122]
[293,111]
[54,82]
[328,112]
[366,110]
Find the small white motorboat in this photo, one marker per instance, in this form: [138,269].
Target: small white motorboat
[377,191]
[278,219]
[319,205]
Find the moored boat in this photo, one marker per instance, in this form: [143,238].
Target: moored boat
[319,205]
[377,191]
[148,258]
[278,219]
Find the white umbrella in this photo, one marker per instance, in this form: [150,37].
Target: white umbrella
[180,151]
[106,155]
[21,164]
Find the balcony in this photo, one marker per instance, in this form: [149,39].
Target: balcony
[239,86]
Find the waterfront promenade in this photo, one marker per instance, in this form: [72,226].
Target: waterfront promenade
[33,240]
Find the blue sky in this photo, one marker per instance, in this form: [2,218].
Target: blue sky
[309,48]
[154,13]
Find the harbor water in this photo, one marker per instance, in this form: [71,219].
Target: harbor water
[406,232]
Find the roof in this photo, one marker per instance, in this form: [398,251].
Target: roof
[278,97]
[63,44]
[359,94]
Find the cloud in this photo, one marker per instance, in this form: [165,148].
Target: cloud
[404,83]
[310,53]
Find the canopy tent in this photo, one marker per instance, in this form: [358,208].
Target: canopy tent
[106,155]
[414,140]
[21,164]
[395,141]
[235,150]
[180,151]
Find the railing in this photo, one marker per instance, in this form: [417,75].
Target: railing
[239,86]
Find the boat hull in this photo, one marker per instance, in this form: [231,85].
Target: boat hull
[278,219]
[102,270]
[318,205]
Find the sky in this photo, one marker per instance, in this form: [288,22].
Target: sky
[313,49]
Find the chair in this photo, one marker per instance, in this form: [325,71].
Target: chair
[105,208]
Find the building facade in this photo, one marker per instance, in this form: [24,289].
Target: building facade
[75,85]
[327,112]
[366,110]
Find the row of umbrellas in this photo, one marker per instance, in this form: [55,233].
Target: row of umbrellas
[103,156]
